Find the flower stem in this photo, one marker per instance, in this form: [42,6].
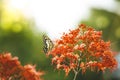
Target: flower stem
[75,76]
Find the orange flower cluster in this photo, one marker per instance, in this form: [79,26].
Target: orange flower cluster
[11,69]
[82,49]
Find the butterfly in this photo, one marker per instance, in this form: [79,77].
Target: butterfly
[48,44]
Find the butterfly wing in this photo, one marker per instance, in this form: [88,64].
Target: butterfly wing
[48,44]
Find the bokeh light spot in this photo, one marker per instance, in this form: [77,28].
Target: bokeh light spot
[6,27]
[17,28]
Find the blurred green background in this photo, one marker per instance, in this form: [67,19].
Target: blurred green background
[19,36]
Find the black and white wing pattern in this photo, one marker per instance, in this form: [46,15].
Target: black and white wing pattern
[48,44]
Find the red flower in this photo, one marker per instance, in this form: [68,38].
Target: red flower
[29,73]
[82,48]
[9,66]
[11,69]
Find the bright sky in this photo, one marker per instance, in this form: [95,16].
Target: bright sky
[58,16]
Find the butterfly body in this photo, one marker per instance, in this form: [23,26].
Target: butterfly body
[48,44]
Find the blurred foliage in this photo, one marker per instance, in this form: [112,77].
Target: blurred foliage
[117,0]
[17,36]
[109,23]
[20,37]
